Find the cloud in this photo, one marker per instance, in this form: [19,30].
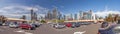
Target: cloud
[19,10]
[105,13]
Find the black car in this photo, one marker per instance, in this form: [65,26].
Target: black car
[85,23]
[36,24]
[1,23]
[75,24]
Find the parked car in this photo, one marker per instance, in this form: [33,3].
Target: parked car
[1,23]
[52,24]
[27,26]
[59,25]
[13,25]
[116,29]
[84,23]
[75,24]
[36,24]
[68,24]
[6,24]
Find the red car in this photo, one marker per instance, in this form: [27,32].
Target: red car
[68,24]
[27,26]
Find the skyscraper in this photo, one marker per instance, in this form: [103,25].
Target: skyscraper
[49,15]
[64,17]
[35,16]
[54,13]
[80,15]
[87,15]
[75,17]
[32,16]
[59,16]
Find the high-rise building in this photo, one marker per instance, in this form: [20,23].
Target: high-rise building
[48,15]
[64,17]
[32,16]
[80,15]
[69,17]
[89,15]
[35,16]
[54,13]
[75,17]
[59,16]
[84,15]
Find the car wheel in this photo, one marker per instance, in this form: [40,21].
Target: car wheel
[32,28]
[29,28]
[73,27]
[21,28]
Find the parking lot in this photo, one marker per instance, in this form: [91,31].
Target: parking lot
[47,29]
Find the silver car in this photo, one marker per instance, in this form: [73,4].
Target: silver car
[12,25]
[59,25]
[116,29]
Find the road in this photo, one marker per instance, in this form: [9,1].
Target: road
[47,29]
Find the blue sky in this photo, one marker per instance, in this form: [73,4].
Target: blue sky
[64,6]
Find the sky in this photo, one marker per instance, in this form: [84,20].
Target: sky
[17,8]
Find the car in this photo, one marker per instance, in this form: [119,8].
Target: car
[6,24]
[13,25]
[84,23]
[37,24]
[76,25]
[73,24]
[116,29]
[1,23]
[27,26]
[52,24]
[59,25]
[68,24]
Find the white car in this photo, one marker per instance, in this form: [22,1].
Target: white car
[13,25]
[59,26]
[116,29]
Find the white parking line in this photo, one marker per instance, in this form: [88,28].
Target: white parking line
[79,32]
[1,30]
[28,33]
[22,31]
[4,27]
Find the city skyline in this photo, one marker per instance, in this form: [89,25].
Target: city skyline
[17,8]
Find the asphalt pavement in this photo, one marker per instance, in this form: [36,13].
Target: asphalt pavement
[47,29]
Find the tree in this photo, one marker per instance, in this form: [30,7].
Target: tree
[54,20]
[60,21]
[43,21]
[109,18]
[112,17]
[57,21]
[100,17]
[116,17]
[2,19]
